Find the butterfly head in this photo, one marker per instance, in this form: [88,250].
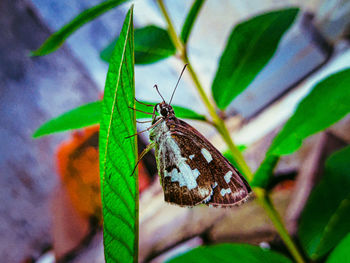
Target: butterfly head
[165,110]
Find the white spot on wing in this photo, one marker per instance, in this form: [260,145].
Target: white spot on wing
[206,155]
[168,146]
[191,156]
[215,185]
[227,176]
[225,191]
[239,193]
[186,177]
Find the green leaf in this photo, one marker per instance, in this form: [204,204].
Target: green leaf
[56,39]
[180,112]
[90,114]
[230,253]
[118,154]
[325,219]
[77,118]
[326,104]
[250,46]
[228,155]
[341,253]
[264,174]
[190,19]
[151,45]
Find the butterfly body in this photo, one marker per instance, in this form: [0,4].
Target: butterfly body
[192,171]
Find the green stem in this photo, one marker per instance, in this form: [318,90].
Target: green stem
[221,127]
[269,208]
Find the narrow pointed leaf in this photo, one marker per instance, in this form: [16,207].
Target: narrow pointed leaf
[230,253]
[180,112]
[250,46]
[57,39]
[90,114]
[118,155]
[326,217]
[77,118]
[151,45]
[341,253]
[327,103]
[190,19]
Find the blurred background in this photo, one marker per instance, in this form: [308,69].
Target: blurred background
[50,210]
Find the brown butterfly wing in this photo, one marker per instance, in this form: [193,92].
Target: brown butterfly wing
[229,187]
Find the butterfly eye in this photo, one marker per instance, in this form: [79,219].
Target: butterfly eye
[164,111]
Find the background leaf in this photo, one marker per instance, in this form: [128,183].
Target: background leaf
[77,118]
[118,155]
[264,174]
[326,217]
[228,155]
[326,104]
[151,45]
[90,114]
[190,19]
[250,46]
[57,39]
[180,112]
[230,253]
[341,253]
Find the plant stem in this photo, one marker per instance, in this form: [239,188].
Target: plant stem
[220,125]
[266,203]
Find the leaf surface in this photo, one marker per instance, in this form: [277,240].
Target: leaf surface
[57,39]
[264,174]
[327,103]
[230,253]
[190,19]
[152,44]
[117,154]
[326,217]
[250,46]
[77,118]
[341,253]
[90,114]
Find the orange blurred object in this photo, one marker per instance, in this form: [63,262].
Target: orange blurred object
[78,167]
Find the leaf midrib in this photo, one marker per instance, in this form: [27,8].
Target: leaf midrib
[330,224]
[114,99]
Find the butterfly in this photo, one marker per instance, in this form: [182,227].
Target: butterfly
[192,171]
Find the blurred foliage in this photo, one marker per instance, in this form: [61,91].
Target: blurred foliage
[77,118]
[117,154]
[341,252]
[230,253]
[57,39]
[190,19]
[263,176]
[326,217]
[151,45]
[321,108]
[90,114]
[326,104]
[249,47]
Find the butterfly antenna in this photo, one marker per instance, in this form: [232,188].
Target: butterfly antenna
[155,86]
[177,83]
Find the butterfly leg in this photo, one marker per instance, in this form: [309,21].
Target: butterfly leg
[148,105]
[144,152]
[140,111]
[150,127]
